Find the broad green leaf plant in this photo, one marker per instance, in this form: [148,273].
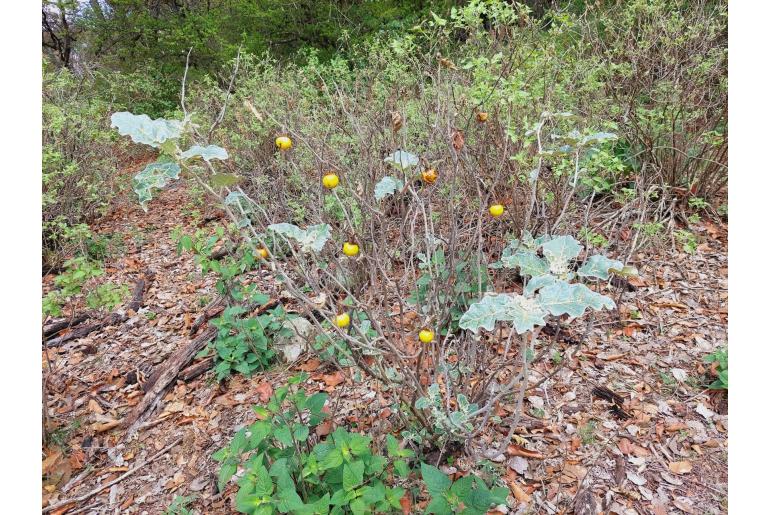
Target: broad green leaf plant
[287,469]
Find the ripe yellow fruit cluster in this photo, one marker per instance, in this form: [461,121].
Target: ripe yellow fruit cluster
[331,180]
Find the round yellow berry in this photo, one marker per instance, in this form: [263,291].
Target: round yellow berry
[496,210]
[342,320]
[350,249]
[283,142]
[262,251]
[426,336]
[331,180]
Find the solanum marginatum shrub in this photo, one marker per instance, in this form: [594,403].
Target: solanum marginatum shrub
[424,249]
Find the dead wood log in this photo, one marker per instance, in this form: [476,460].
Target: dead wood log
[160,380]
[52,329]
[112,319]
[215,308]
[196,369]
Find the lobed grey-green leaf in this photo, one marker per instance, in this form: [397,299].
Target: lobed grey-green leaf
[387,186]
[561,298]
[207,153]
[143,129]
[599,266]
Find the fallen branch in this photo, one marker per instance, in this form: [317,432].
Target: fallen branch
[160,380]
[213,309]
[112,319]
[56,327]
[128,473]
[196,369]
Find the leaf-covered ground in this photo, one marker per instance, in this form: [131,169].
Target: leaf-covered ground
[576,451]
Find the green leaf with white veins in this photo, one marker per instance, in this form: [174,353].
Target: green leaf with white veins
[524,312]
[207,153]
[599,266]
[312,238]
[402,160]
[527,262]
[573,299]
[154,176]
[538,282]
[559,252]
[144,129]
[387,186]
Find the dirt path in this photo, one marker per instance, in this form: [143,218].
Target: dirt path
[670,456]
[96,380]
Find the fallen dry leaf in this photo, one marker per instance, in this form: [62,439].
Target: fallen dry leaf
[519,492]
[458,140]
[517,450]
[680,467]
[311,365]
[406,504]
[333,379]
[265,391]
[324,428]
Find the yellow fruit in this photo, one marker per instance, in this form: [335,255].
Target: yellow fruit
[262,251]
[342,320]
[430,176]
[331,181]
[481,116]
[350,249]
[496,210]
[283,142]
[426,336]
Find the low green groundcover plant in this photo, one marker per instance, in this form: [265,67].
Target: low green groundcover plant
[720,358]
[468,495]
[288,470]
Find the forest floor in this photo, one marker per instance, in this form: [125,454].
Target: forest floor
[668,456]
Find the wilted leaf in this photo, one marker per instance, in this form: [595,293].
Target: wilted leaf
[402,160]
[312,238]
[223,180]
[154,176]
[396,121]
[458,140]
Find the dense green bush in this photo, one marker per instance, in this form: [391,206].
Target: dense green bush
[79,161]
[665,72]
